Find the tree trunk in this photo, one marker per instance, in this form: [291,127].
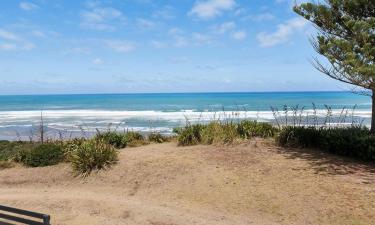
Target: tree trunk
[373,112]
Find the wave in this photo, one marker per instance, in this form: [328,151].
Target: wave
[111,115]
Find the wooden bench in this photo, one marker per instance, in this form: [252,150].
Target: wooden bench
[9,215]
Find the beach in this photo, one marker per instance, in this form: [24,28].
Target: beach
[251,182]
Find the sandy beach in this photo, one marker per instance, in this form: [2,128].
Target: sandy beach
[162,184]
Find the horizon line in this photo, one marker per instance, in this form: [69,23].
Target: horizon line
[209,92]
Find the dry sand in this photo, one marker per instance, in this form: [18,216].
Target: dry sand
[163,184]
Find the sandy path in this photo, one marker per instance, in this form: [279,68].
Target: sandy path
[165,185]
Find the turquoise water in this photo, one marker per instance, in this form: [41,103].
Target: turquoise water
[161,112]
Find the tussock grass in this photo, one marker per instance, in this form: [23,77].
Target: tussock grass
[93,155]
[222,132]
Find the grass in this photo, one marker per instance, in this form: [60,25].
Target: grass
[6,165]
[222,132]
[122,139]
[92,155]
[156,137]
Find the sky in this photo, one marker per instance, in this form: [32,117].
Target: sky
[143,46]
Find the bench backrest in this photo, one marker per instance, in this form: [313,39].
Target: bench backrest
[5,210]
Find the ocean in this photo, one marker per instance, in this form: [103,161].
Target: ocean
[75,115]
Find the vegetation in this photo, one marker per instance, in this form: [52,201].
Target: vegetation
[41,155]
[248,129]
[113,138]
[9,149]
[134,139]
[222,132]
[6,165]
[92,155]
[156,137]
[122,140]
[357,142]
[347,39]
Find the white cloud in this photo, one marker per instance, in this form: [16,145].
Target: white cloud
[166,13]
[239,35]
[120,46]
[38,33]
[260,17]
[209,9]
[97,61]
[8,46]
[145,24]
[158,44]
[201,38]
[224,27]
[9,36]
[175,31]
[28,6]
[180,41]
[282,34]
[11,41]
[100,18]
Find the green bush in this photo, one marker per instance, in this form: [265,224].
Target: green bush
[121,140]
[134,139]
[93,155]
[218,133]
[71,145]
[41,155]
[222,132]
[156,137]
[9,149]
[355,142]
[248,129]
[190,135]
[299,137]
[115,139]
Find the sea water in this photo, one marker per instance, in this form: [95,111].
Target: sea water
[20,115]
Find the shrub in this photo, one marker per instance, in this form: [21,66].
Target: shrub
[190,135]
[222,132]
[355,142]
[71,145]
[121,140]
[42,155]
[248,129]
[93,155]
[134,139]
[218,133]
[157,138]
[9,150]
[115,139]
[299,137]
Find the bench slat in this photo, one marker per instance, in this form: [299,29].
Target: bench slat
[20,220]
[22,212]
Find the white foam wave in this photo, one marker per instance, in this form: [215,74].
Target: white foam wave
[112,116]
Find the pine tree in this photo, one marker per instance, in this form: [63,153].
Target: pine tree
[346,37]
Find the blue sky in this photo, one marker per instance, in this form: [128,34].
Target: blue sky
[124,46]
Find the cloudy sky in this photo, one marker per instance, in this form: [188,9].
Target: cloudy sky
[121,46]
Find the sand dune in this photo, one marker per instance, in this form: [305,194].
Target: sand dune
[248,183]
